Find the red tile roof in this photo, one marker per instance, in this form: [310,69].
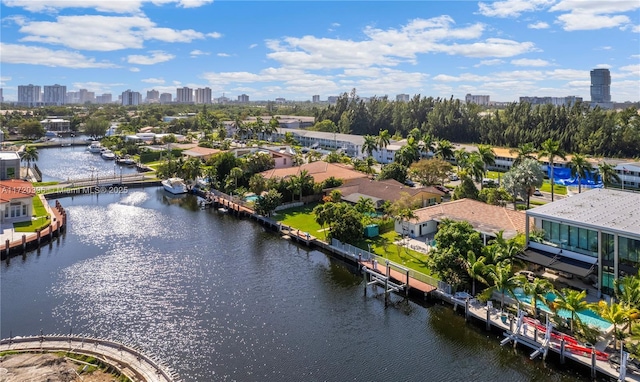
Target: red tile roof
[15,188]
[320,171]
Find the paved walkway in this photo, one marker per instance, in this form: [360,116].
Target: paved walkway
[129,361]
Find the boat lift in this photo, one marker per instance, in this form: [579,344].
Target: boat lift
[544,349]
[377,278]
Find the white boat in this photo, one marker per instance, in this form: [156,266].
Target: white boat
[108,155]
[95,147]
[126,161]
[175,186]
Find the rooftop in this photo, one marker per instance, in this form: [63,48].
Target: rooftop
[320,171]
[616,210]
[15,188]
[483,217]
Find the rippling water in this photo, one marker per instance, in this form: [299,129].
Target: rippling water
[75,162]
[220,299]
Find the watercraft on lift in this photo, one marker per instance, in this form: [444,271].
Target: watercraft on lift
[175,186]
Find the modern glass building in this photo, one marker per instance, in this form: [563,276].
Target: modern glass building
[600,85]
[595,233]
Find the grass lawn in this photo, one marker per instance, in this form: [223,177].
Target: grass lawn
[557,188]
[44,184]
[41,221]
[302,218]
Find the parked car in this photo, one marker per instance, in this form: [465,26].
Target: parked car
[453,177]
[537,192]
[443,189]
[409,183]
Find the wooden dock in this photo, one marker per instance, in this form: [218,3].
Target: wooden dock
[399,277]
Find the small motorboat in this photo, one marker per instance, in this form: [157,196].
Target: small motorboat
[95,147]
[108,154]
[175,186]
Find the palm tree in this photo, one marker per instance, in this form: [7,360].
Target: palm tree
[403,216]
[608,173]
[370,144]
[29,154]
[365,205]
[475,167]
[427,144]
[551,149]
[536,290]
[488,157]
[574,301]
[444,149]
[476,269]
[236,173]
[241,128]
[503,281]
[628,290]
[524,151]
[614,313]
[580,168]
[384,138]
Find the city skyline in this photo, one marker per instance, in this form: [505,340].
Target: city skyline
[295,50]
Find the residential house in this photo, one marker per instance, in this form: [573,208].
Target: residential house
[596,232]
[387,190]
[486,219]
[320,171]
[282,156]
[202,153]
[16,200]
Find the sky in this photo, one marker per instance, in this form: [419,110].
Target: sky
[297,49]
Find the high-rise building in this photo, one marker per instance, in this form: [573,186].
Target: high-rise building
[482,100]
[600,85]
[203,96]
[86,96]
[153,96]
[243,98]
[332,99]
[315,99]
[131,98]
[104,98]
[165,98]
[28,95]
[184,95]
[402,97]
[1,96]
[55,95]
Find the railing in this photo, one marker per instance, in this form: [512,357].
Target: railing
[38,173]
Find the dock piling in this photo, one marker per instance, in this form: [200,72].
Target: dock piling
[593,362]
[562,350]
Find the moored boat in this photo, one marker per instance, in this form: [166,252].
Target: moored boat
[108,155]
[95,147]
[175,186]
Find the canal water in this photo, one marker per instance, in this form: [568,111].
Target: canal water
[76,162]
[221,299]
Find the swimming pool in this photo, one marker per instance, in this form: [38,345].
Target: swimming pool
[251,198]
[588,317]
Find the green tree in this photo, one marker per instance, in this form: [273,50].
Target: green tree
[614,313]
[444,149]
[31,129]
[30,154]
[466,189]
[365,205]
[456,240]
[476,269]
[487,157]
[494,196]
[580,168]
[369,145]
[573,301]
[96,127]
[537,290]
[526,150]
[393,171]
[523,179]
[192,168]
[257,184]
[608,174]
[259,162]
[551,149]
[383,139]
[267,203]
[503,281]
[430,171]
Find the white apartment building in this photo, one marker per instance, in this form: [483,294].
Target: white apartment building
[165,98]
[153,96]
[131,98]
[203,96]
[184,95]
[28,95]
[482,100]
[55,95]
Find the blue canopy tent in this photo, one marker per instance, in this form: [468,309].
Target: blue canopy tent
[562,176]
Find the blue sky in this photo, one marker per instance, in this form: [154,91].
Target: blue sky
[295,49]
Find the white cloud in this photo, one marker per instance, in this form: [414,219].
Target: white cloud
[115,6]
[253,46]
[134,69]
[34,55]
[594,14]
[97,87]
[567,74]
[632,69]
[603,66]
[495,61]
[214,35]
[4,79]
[538,25]
[530,62]
[223,55]
[158,81]
[197,52]
[512,8]
[636,29]
[113,33]
[155,58]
